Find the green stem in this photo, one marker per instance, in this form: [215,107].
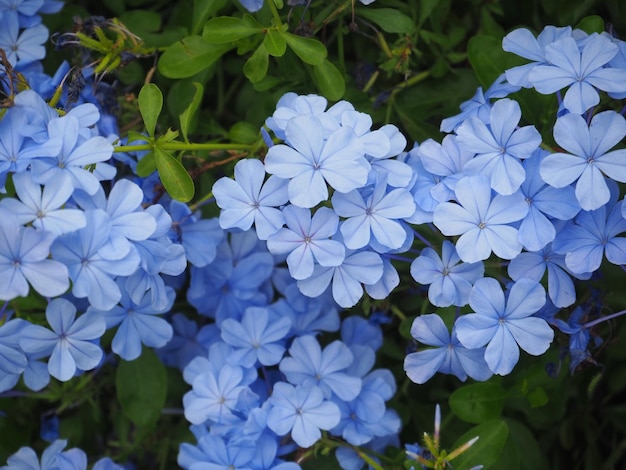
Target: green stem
[275,14]
[183,146]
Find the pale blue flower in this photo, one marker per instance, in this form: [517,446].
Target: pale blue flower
[374,213]
[499,146]
[24,260]
[447,356]
[523,43]
[581,68]
[306,240]
[450,281]
[505,323]
[43,207]
[248,200]
[310,162]
[589,160]
[71,341]
[308,364]
[482,222]
[301,410]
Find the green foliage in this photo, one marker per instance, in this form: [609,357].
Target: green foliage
[492,436]
[479,402]
[141,388]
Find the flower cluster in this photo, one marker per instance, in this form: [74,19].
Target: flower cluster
[328,215]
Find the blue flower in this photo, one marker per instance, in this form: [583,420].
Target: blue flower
[505,323]
[358,268]
[12,358]
[306,240]
[138,324]
[450,282]
[447,356]
[75,157]
[589,159]
[70,343]
[26,458]
[536,230]
[214,395]
[374,212]
[533,265]
[308,364]
[44,207]
[499,146]
[482,222]
[310,161]
[258,337]
[581,68]
[248,200]
[24,254]
[91,272]
[593,234]
[522,42]
[199,237]
[301,410]
[24,48]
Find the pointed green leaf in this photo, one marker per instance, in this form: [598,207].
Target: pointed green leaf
[275,43]
[189,113]
[150,105]
[389,19]
[202,10]
[486,450]
[225,29]
[174,176]
[310,51]
[141,388]
[243,132]
[488,59]
[479,402]
[591,24]
[278,3]
[147,165]
[189,56]
[256,66]
[330,80]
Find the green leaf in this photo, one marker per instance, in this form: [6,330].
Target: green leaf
[141,388]
[150,105]
[244,133]
[485,451]
[256,66]
[329,80]
[189,56]
[202,10]
[488,59]
[310,51]
[174,176]
[591,24]
[426,8]
[479,402]
[147,165]
[521,450]
[275,43]
[225,29]
[389,19]
[189,112]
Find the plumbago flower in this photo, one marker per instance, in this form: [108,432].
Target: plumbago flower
[70,343]
[499,146]
[482,221]
[310,161]
[589,161]
[504,322]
